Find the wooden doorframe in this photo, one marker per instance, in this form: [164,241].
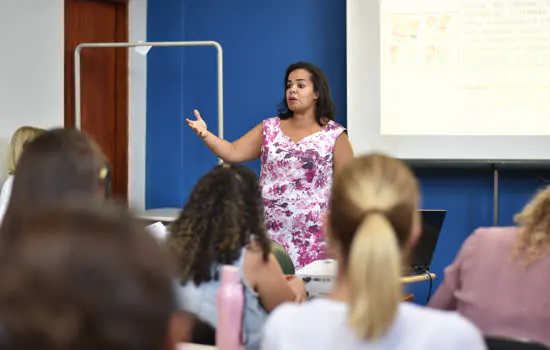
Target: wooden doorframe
[120,170]
[119,165]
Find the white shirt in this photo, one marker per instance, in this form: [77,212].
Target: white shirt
[323,324]
[5,196]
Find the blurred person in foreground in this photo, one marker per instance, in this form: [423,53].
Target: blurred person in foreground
[59,165]
[18,141]
[499,279]
[371,226]
[87,277]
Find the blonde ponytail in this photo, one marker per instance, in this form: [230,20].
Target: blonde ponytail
[374,277]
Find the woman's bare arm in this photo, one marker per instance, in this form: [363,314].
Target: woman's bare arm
[268,280]
[343,152]
[246,148]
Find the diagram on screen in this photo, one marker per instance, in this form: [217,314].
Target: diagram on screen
[422,41]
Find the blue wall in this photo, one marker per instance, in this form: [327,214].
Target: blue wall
[260,39]
[165,129]
[467,195]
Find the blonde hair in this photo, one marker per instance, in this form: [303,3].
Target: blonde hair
[19,140]
[373,212]
[533,242]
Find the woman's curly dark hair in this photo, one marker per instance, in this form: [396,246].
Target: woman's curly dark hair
[224,211]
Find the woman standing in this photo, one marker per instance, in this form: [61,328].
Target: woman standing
[299,151]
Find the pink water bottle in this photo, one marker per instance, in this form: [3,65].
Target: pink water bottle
[230,300]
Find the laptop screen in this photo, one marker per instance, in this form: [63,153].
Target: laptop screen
[422,253]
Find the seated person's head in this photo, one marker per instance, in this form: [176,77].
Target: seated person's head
[372,223]
[58,165]
[223,213]
[19,140]
[533,242]
[86,277]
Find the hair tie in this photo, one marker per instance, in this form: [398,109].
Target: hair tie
[374,211]
[103,173]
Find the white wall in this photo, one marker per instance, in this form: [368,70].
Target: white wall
[31,67]
[32,79]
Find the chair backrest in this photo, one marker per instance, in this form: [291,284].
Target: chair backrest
[202,333]
[503,343]
[283,258]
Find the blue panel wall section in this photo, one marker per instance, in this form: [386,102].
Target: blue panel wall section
[260,39]
[164,135]
[467,195]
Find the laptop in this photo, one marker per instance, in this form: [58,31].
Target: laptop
[422,253]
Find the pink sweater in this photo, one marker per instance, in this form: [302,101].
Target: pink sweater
[496,292]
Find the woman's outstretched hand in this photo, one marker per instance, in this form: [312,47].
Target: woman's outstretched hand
[198,126]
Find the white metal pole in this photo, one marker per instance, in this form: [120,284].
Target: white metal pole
[77,80]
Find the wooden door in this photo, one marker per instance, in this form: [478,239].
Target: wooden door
[104,79]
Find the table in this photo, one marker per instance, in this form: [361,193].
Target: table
[417,278]
[320,276]
[324,270]
[160,214]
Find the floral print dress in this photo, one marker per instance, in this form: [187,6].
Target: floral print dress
[296,180]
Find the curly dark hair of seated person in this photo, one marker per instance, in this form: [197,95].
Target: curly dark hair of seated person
[225,209]
[85,276]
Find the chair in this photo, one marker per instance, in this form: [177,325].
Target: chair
[503,343]
[202,333]
[283,258]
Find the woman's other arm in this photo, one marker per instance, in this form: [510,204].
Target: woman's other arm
[343,152]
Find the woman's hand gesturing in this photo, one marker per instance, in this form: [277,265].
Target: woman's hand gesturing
[198,126]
